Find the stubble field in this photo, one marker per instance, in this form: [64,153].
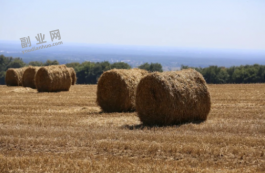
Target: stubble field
[67,132]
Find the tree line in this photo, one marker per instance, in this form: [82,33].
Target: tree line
[235,74]
[89,72]
[86,72]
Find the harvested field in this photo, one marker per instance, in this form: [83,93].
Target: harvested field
[67,132]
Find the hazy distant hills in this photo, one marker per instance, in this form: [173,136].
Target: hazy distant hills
[171,58]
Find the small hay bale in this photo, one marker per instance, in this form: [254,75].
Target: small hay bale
[73,75]
[28,79]
[173,97]
[53,78]
[116,89]
[14,76]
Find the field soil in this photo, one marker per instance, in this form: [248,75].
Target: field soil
[68,132]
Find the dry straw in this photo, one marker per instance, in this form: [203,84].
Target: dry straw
[53,78]
[14,76]
[28,79]
[73,75]
[172,97]
[116,89]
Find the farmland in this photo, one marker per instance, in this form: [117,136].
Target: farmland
[67,132]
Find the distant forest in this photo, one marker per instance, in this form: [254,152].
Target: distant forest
[89,72]
[86,72]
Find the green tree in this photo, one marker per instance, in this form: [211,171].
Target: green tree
[49,62]
[230,72]
[16,63]
[36,63]
[120,65]
[105,65]
[184,67]
[75,65]
[8,62]
[156,67]
[222,76]
[151,67]
[4,62]
[145,66]
[85,73]
[238,75]
[210,74]
[2,77]
[261,73]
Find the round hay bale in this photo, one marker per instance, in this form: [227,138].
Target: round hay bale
[14,76]
[172,97]
[28,79]
[73,75]
[53,78]
[116,89]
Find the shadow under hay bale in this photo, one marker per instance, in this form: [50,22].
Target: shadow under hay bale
[73,75]
[142,126]
[174,97]
[116,89]
[28,79]
[14,76]
[53,79]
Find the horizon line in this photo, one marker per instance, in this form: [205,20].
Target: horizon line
[148,46]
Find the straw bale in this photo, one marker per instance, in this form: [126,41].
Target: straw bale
[53,78]
[14,76]
[116,89]
[28,79]
[172,97]
[73,75]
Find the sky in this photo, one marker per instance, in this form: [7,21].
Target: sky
[222,24]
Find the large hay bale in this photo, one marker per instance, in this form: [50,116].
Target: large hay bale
[28,79]
[53,78]
[172,97]
[14,76]
[73,75]
[116,89]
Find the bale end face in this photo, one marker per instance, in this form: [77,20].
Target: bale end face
[112,93]
[172,98]
[11,78]
[28,79]
[73,75]
[14,76]
[116,89]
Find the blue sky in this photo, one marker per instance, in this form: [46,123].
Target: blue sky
[225,24]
